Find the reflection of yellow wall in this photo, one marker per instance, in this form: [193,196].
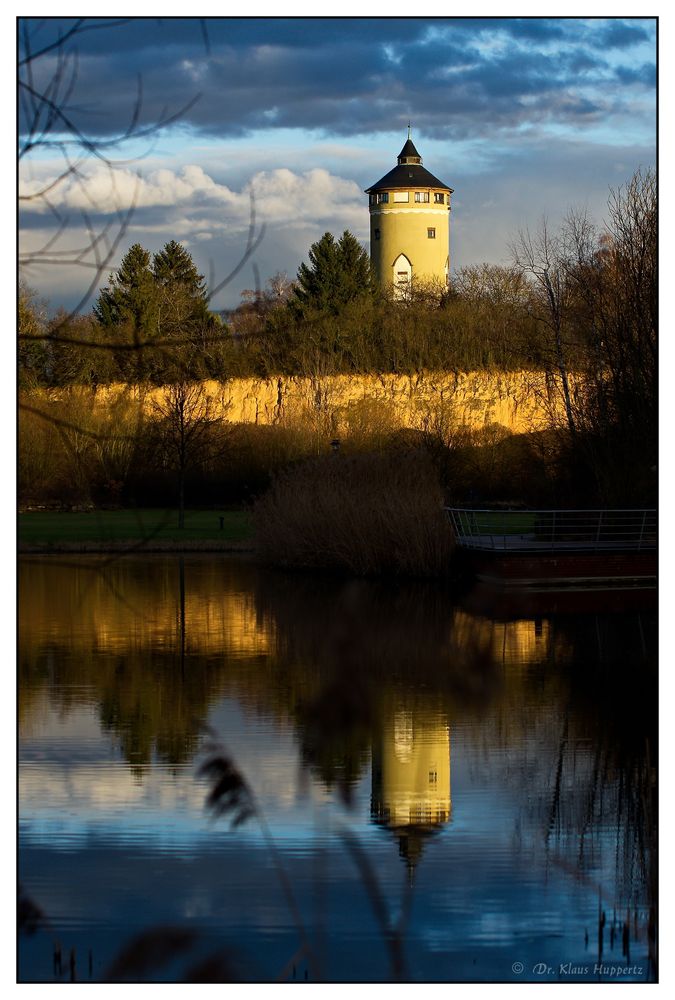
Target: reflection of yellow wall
[214,623]
[99,609]
[112,608]
[511,643]
[520,642]
[411,770]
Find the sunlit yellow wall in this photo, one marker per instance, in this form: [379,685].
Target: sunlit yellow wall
[520,401]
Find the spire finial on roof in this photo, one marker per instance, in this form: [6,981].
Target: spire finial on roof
[409,130]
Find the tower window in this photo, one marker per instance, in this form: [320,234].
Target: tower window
[439,198]
[431,233]
[383,196]
[421,196]
[376,234]
[400,196]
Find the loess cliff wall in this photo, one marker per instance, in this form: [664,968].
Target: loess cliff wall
[520,401]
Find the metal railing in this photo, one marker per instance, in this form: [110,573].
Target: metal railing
[554,530]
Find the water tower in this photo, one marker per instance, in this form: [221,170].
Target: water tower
[409,225]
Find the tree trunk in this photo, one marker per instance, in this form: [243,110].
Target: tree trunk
[181,498]
[562,368]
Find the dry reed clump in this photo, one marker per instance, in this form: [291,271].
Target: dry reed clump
[367,514]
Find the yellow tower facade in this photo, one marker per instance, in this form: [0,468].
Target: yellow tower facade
[409,225]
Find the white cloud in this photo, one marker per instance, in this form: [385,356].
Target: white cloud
[282,196]
[186,204]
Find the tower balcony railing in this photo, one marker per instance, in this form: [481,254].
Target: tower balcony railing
[629,530]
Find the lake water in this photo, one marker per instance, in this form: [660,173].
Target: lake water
[438,787]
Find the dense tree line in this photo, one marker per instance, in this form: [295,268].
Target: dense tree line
[150,323]
[372,333]
[335,320]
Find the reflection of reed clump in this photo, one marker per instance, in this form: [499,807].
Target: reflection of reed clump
[406,632]
[347,650]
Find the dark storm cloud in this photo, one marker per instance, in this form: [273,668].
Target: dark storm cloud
[347,76]
[645,74]
[139,34]
[620,35]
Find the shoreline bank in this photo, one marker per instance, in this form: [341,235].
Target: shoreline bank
[131,547]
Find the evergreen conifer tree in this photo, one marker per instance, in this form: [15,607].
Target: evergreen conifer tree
[162,309]
[130,295]
[182,290]
[173,268]
[338,272]
[127,310]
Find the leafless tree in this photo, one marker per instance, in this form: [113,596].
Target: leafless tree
[47,84]
[594,291]
[185,420]
[543,257]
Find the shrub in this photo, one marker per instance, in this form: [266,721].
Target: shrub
[367,514]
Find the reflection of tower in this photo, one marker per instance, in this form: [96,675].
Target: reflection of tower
[411,778]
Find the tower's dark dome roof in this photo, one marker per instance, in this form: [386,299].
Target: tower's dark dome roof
[408,172]
[408,175]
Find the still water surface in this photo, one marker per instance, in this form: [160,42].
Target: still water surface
[445,788]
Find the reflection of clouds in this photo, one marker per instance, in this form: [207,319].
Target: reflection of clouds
[108,788]
[75,730]
[116,799]
[88,789]
[68,780]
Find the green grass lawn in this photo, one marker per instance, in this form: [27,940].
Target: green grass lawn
[512,522]
[42,527]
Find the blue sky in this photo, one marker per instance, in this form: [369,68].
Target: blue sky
[522,117]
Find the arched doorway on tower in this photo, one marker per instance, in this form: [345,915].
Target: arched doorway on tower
[402,276]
